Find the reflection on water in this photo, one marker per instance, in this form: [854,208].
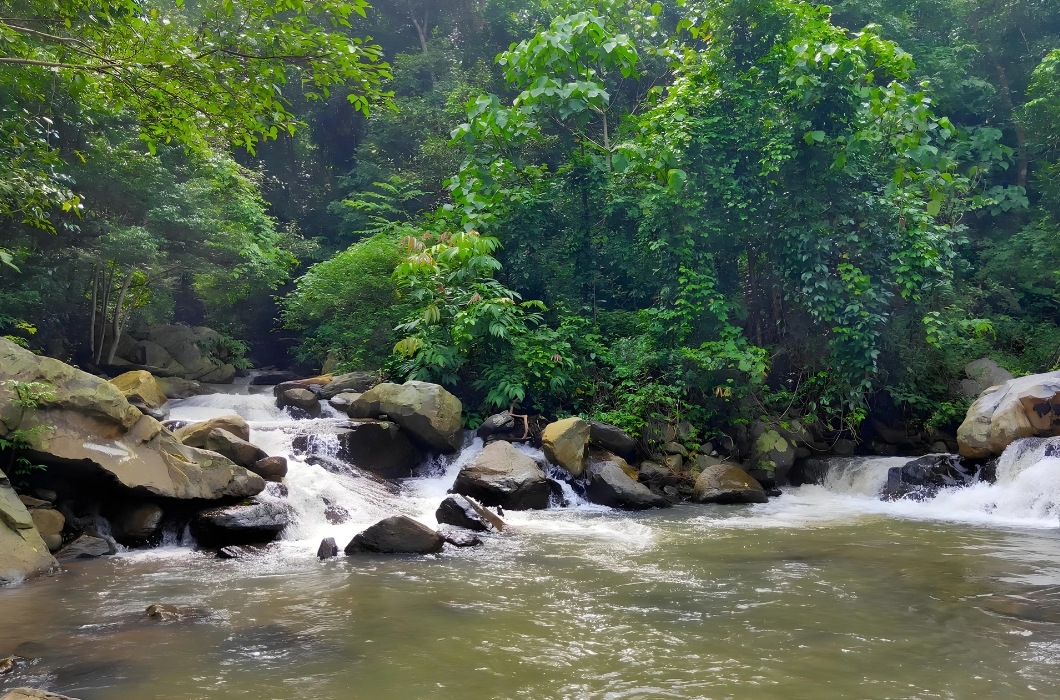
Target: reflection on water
[825,593]
[568,605]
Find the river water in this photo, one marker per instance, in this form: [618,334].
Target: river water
[823,593]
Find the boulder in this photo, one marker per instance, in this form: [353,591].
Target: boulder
[770,449]
[300,398]
[48,521]
[501,475]
[141,390]
[461,539]
[137,524]
[609,485]
[377,447]
[1024,407]
[151,354]
[674,448]
[844,448]
[612,438]
[924,477]
[725,483]
[351,382]
[178,388]
[85,547]
[397,535]
[23,553]
[270,468]
[464,512]
[93,433]
[981,375]
[498,426]
[218,374]
[328,548]
[32,694]
[564,444]
[241,524]
[313,384]
[342,402]
[236,449]
[196,434]
[427,411]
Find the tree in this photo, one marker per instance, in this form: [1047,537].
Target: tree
[209,74]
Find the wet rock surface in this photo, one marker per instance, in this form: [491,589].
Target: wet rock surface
[610,485]
[501,475]
[465,512]
[252,523]
[427,411]
[396,535]
[724,483]
[328,548]
[924,477]
[85,547]
[381,448]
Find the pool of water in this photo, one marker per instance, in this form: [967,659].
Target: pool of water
[824,593]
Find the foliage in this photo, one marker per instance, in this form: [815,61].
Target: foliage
[17,440]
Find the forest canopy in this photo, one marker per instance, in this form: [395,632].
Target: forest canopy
[697,210]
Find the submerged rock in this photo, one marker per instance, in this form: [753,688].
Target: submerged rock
[461,539]
[501,475]
[327,549]
[232,552]
[924,477]
[563,443]
[427,411]
[242,524]
[396,535]
[724,483]
[32,694]
[609,485]
[465,512]
[85,547]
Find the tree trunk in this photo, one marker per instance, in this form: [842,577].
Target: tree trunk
[92,325]
[108,286]
[118,316]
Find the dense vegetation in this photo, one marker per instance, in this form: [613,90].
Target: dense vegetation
[693,209]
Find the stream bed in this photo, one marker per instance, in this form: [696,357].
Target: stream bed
[823,593]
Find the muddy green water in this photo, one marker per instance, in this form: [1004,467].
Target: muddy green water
[695,602]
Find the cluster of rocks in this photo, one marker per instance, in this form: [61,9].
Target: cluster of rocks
[174,351]
[113,473]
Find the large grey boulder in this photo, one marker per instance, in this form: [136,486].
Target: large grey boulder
[300,398]
[240,524]
[563,443]
[138,523]
[465,512]
[270,468]
[1019,408]
[91,430]
[610,485]
[23,553]
[184,345]
[349,383]
[377,447]
[427,411]
[240,451]
[981,375]
[727,483]
[501,475]
[612,438]
[397,535]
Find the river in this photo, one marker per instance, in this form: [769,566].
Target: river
[823,593]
